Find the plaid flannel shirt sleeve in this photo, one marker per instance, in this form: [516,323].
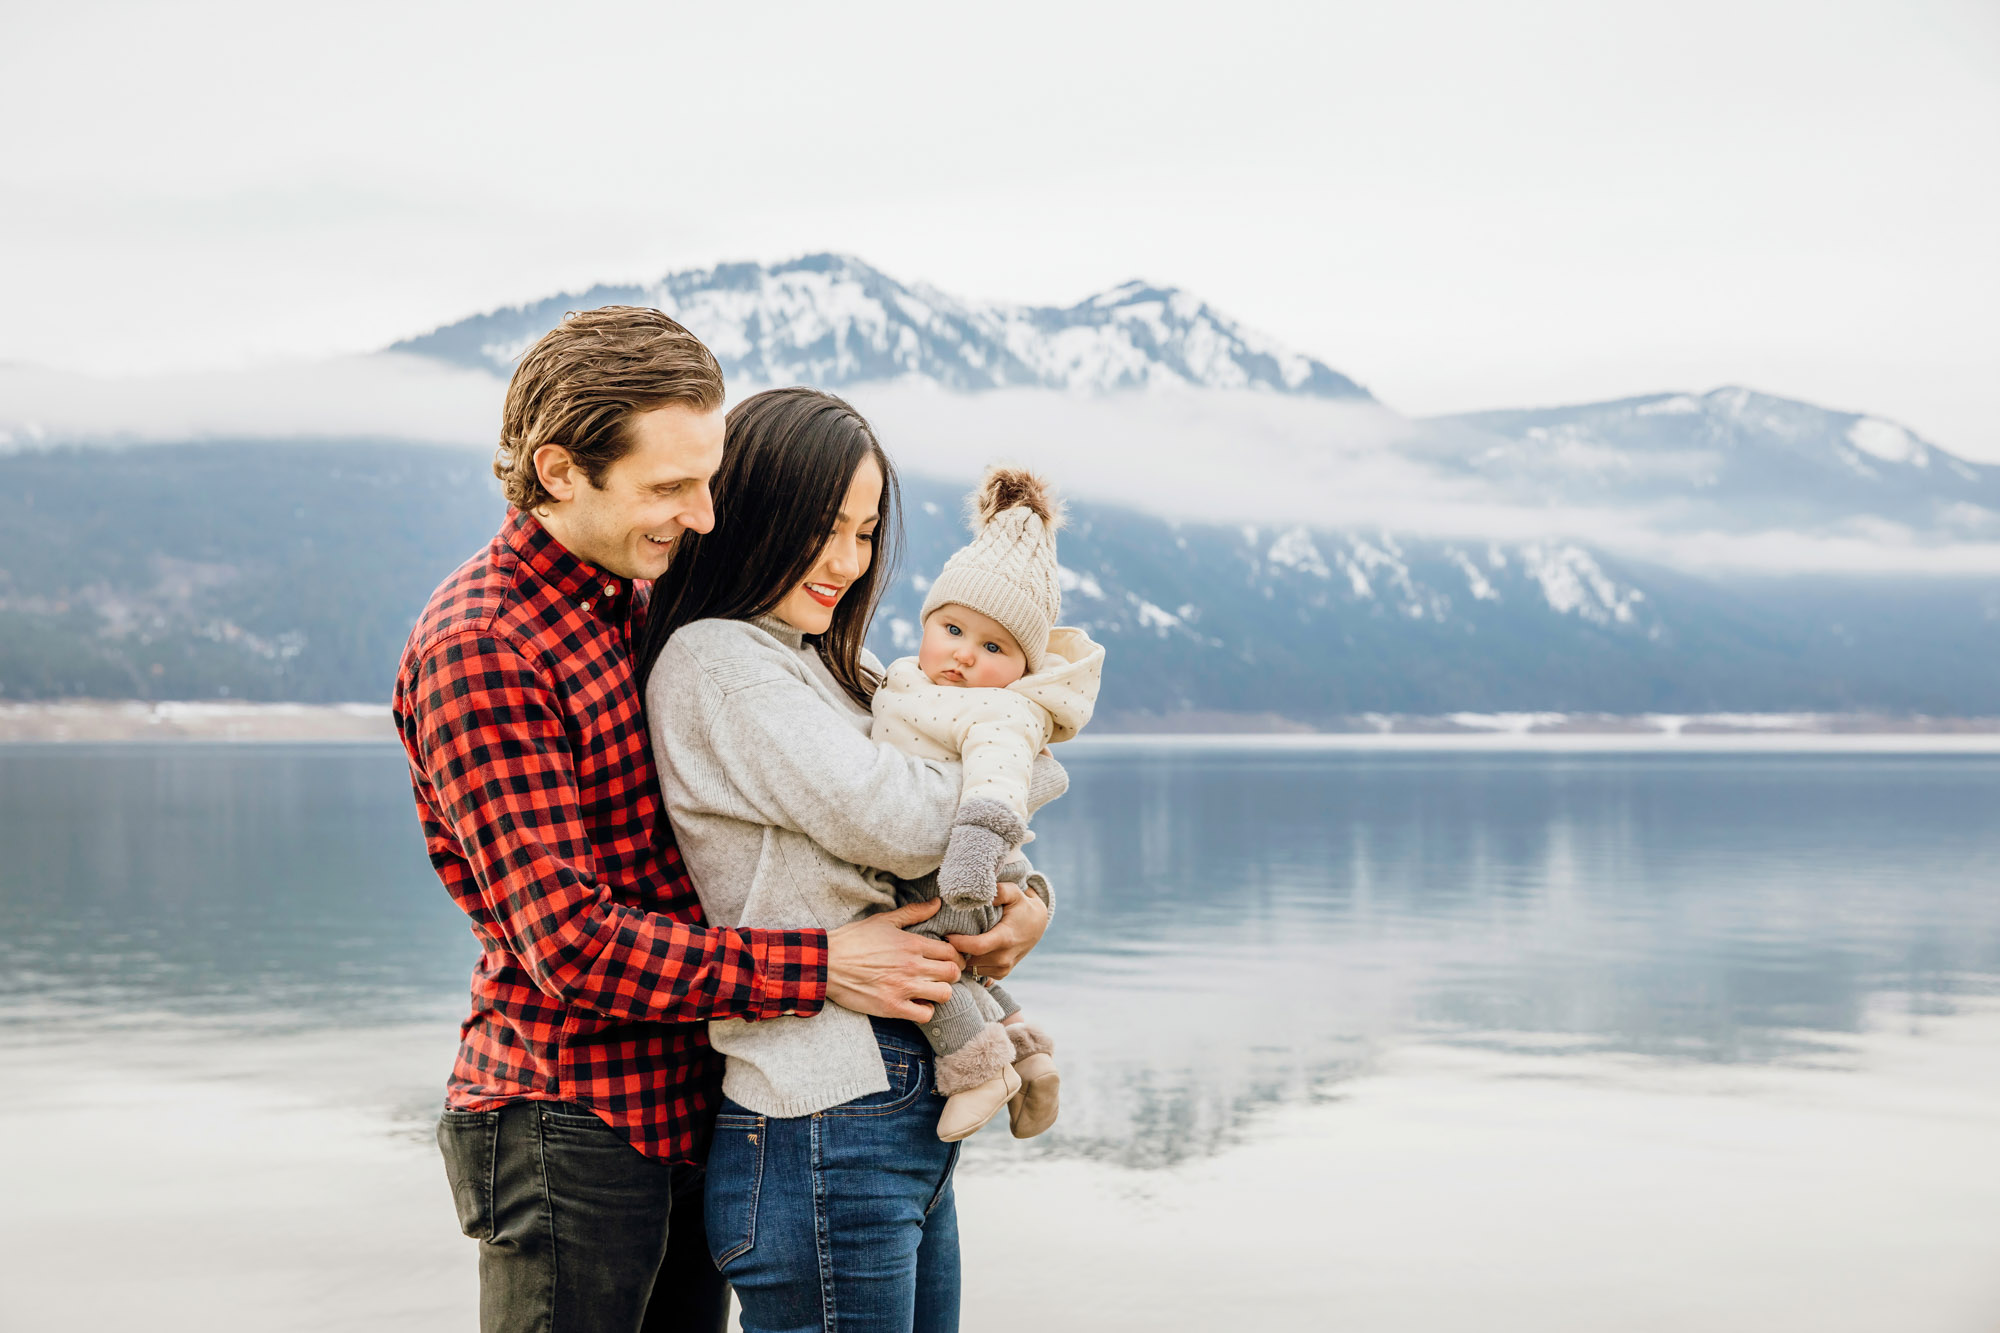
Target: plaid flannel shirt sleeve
[492,744]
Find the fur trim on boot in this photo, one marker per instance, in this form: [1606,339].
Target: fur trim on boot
[1029,1040]
[974,1063]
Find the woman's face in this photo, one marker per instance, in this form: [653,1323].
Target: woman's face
[848,552]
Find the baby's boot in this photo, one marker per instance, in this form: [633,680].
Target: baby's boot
[1033,1108]
[977,1080]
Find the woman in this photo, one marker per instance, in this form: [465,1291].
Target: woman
[829,1192]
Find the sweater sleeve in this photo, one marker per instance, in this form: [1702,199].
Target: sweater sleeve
[1047,780]
[784,756]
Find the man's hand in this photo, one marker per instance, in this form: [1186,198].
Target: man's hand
[874,967]
[1023,918]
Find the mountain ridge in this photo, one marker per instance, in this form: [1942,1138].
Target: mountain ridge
[833,320]
[1732,460]
[1869,435]
[1733,454]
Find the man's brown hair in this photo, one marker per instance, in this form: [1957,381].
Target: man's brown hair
[585,379]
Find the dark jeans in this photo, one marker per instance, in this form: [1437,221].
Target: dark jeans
[571,1221]
[843,1219]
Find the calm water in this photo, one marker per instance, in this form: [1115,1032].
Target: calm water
[1253,948]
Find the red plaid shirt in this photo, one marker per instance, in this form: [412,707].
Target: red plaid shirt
[535,784]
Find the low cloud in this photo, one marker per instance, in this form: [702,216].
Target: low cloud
[382,396]
[1221,457]
[1194,455]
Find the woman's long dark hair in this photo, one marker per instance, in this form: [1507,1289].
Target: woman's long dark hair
[787,461]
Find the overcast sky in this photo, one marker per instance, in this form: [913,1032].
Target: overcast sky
[1461,205]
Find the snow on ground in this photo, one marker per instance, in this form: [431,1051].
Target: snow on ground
[1476,581]
[1295,550]
[1573,583]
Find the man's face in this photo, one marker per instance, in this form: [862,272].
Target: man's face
[627,524]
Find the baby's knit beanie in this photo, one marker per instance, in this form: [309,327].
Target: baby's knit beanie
[1008,571]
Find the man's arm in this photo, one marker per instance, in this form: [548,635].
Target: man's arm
[489,737]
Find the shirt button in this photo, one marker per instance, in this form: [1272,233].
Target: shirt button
[610,590]
[586,605]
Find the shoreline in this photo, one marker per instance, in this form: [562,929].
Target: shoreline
[88,721]
[72,722]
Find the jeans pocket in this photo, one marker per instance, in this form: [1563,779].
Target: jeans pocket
[568,1115]
[906,1074]
[735,1178]
[469,1141]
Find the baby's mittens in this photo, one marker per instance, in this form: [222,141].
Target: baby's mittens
[985,834]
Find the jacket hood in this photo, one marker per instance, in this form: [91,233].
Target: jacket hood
[1072,669]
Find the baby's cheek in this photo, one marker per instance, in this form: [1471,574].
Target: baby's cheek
[932,663]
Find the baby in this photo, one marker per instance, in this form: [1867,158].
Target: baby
[994,680]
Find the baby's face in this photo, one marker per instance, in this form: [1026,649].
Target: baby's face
[962,647]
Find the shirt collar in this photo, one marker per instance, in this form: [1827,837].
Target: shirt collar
[551,562]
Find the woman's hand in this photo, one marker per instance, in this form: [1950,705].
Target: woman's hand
[874,967]
[1023,918]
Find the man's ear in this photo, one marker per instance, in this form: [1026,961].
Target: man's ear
[558,471]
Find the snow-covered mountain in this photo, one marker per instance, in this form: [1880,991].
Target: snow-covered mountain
[240,570]
[1250,431]
[1732,457]
[1731,461]
[1263,539]
[832,320]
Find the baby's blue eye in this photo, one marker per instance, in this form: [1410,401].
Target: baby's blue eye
[992,647]
[953,630]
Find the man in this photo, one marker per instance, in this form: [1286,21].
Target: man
[581,1100]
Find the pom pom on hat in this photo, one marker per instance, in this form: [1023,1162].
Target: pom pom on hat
[1014,488]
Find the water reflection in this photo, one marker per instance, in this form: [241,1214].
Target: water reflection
[269,886]
[1242,928]
[1237,928]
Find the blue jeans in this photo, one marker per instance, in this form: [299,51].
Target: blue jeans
[842,1219]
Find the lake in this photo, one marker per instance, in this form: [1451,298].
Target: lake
[1351,1040]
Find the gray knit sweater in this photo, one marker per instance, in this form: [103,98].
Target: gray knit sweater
[788,816]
